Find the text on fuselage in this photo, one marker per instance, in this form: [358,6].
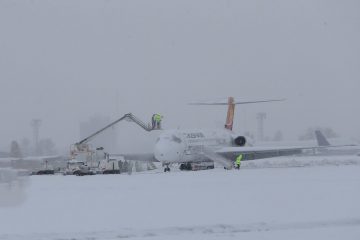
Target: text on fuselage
[195,135]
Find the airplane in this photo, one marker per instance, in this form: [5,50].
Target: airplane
[191,147]
[329,149]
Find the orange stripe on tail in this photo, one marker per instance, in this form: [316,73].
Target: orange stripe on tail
[230,114]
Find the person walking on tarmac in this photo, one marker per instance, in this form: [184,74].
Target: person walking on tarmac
[238,161]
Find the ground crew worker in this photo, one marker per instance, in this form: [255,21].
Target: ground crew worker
[153,121]
[158,118]
[238,161]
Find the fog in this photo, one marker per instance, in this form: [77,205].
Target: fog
[66,61]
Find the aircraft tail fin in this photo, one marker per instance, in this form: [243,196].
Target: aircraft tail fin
[321,139]
[231,108]
[230,114]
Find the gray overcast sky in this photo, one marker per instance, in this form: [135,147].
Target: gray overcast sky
[64,61]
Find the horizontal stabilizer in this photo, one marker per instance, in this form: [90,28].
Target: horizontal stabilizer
[235,102]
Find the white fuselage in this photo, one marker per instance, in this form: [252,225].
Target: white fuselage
[180,146]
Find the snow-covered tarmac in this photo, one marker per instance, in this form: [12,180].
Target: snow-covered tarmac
[258,202]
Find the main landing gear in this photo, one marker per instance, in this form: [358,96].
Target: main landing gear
[167,168]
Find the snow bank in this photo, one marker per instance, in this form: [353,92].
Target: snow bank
[252,203]
[302,161]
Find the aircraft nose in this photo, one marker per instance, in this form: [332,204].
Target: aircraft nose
[166,152]
[159,153]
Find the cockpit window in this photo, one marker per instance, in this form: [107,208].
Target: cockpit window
[175,139]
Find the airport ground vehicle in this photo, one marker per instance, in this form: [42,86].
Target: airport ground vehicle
[87,160]
[110,166]
[79,168]
[194,166]
[83,170]
[45,172]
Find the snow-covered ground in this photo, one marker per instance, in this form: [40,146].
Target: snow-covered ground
[264,200]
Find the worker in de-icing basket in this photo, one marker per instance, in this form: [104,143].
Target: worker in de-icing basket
[153,121]
[238,161]
[158,118]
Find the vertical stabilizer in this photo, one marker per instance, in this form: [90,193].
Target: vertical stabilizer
[230,114]
[321,139]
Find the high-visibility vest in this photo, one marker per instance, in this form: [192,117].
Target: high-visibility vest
[158,117]
[239,158]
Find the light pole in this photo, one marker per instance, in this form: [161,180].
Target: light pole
[35,124]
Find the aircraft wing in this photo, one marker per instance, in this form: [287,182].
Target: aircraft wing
[251,153]
[227,155]
[217,158]
[140,157]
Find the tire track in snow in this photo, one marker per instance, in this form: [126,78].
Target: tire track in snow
[201,231]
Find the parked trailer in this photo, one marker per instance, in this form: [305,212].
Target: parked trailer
[78,168]
[110,166]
